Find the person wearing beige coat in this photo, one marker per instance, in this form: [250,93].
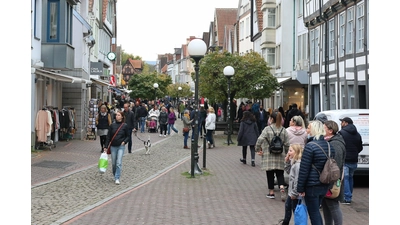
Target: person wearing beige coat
[273,164]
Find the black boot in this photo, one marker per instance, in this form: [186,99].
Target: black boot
[253,164]
[243,161]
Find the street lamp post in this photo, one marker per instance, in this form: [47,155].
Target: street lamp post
[197,48]
[179,92]
[155,85]
[229,72]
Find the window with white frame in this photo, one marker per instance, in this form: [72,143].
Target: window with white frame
[241,30]
[300,7]
[350,33]
[302,47]
[342,29]
[110,11]
[331,37]
[316,49]
[314,46]
[271,17]
[360,28]
[271,56]
[247,27]
[278,15]
[278,56]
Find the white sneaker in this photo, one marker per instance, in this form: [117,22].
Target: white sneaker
[117,181]
[160,135]
[165,135]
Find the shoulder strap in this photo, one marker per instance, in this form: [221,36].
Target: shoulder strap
[273,131]
[329,149]
[109,144]
[329,152]
[280,132]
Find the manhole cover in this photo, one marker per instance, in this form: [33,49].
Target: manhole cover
[54,164]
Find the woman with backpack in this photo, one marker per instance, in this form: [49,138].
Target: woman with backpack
[312,163]
[272,145]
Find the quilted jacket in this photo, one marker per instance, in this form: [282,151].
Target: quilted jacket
[312,154]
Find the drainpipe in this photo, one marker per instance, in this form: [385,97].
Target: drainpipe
[294,35]
[326,58]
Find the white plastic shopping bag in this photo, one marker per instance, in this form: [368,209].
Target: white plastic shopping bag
[103,162]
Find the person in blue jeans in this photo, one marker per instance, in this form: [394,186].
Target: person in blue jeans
[312,162]
[142,115]
[171,121]
[187,122]
[117,137]
[354,146]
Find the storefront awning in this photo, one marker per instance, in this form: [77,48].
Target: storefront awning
[100,82]
[61,77]
[282,80]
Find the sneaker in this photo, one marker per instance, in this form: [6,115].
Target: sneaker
[283,194]
[346,202]
[165,135]
[270,196]
[160,135]
[117,181]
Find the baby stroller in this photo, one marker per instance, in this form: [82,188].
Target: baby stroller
[152,124]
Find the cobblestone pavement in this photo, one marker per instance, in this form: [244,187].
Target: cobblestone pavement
[67,187]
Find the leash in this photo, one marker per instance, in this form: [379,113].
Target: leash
[144,142]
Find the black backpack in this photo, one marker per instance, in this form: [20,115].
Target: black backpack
[276,144]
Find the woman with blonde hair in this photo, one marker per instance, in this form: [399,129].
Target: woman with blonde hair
[210,126]
[292,166]
[187,123]
[312,162]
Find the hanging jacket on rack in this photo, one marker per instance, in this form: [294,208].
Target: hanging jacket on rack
[64,119]
[42,125]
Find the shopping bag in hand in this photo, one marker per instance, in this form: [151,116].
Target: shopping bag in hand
[103,162]
[300,213]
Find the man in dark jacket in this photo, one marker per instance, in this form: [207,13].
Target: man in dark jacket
[131,122]
[354,146]
[293,112]
[142,115]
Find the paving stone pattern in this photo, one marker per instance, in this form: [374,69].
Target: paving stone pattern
[155,190]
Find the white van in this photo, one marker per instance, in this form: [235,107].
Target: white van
[360,119]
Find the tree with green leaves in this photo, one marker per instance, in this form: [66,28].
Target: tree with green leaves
[142,85]
[252,78]
[173,91]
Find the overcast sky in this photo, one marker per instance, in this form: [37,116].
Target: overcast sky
[148,28]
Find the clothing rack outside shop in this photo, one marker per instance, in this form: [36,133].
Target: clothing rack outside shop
[46,116]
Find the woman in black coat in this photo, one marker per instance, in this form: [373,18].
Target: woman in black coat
[247,136]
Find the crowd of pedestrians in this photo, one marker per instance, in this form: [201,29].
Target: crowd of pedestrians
[301,157]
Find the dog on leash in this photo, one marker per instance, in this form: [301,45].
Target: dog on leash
[147,145]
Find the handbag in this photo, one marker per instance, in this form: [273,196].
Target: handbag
[300,213]
[185,129]
[335,190]
[109,145]
[103,162]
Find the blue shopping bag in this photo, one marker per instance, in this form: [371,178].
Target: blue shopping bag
[300,213]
